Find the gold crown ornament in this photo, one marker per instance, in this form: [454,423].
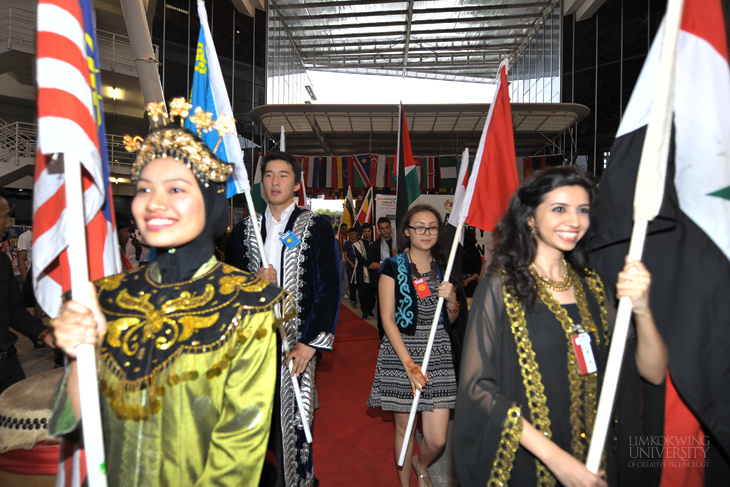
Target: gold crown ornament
[178,143]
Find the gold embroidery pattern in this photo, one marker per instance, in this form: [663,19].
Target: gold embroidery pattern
[130,332]
[595,284]
[508,444]
[531,378]
[110,283]
[583,389]
[173,325]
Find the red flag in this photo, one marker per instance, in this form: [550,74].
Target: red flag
[495,168]
[302,202]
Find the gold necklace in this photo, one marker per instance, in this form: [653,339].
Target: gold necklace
[563,285]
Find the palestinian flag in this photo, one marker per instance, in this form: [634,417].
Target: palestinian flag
[408,189]
[688,245]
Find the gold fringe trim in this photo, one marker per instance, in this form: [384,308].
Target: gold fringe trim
[140,399]
[508,444]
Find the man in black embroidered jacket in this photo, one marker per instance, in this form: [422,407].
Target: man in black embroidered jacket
[381,249]
[303,258]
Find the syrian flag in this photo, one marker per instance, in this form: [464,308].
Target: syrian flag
[687,248]
[408,189]
[494,172]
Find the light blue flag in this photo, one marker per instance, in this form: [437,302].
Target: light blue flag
[209,92]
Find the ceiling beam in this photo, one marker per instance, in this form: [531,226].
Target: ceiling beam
[409,23]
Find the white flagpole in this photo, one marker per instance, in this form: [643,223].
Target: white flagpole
[647,201]
[85,354]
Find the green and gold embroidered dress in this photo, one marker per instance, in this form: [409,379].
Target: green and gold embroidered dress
[187,371]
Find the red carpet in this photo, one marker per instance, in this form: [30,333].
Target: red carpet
[353,444]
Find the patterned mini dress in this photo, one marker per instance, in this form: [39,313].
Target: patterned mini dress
[391,388]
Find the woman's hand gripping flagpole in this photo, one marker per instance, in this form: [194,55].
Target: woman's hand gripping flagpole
[282,329]
[431,336]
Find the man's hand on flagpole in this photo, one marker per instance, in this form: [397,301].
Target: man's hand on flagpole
[268,273]
[301,354]
[77,325]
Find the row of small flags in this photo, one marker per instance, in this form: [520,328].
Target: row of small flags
[435,173]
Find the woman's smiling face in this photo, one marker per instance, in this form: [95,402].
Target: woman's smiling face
[562,219]
[169,208]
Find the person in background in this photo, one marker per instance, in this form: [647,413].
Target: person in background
[123,225]
[13,313]
[363,273]
[471,267]
[25,253]
[301,249]
[130,248]
[342,237]
[348,253]
[410,285]
[186,345]
[383,248]
[537,341]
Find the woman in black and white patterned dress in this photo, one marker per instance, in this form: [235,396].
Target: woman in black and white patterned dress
[408,290]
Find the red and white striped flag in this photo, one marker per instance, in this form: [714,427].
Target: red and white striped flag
[70,123]
[71,131]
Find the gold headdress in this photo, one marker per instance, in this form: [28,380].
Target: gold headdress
[180,144]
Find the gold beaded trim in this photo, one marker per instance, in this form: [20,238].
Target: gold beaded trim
[531,377]
[179,144]
[508,444]
[581,412]
[595,284]
[562,285]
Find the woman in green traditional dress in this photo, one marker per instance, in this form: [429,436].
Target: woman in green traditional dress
[537,340]
[186,346]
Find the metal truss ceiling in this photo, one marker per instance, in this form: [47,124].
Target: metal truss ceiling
[439,39]
[434,129]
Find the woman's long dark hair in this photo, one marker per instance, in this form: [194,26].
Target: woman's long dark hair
[515,245]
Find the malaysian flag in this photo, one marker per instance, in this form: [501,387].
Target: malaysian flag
[71,130]
[70,123]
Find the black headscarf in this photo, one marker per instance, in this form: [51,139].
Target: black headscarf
[181,263]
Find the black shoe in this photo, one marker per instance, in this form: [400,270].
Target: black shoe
[364,316]
[353,302]
[39,345]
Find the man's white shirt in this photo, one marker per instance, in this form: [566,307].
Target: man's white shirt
[274,230]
